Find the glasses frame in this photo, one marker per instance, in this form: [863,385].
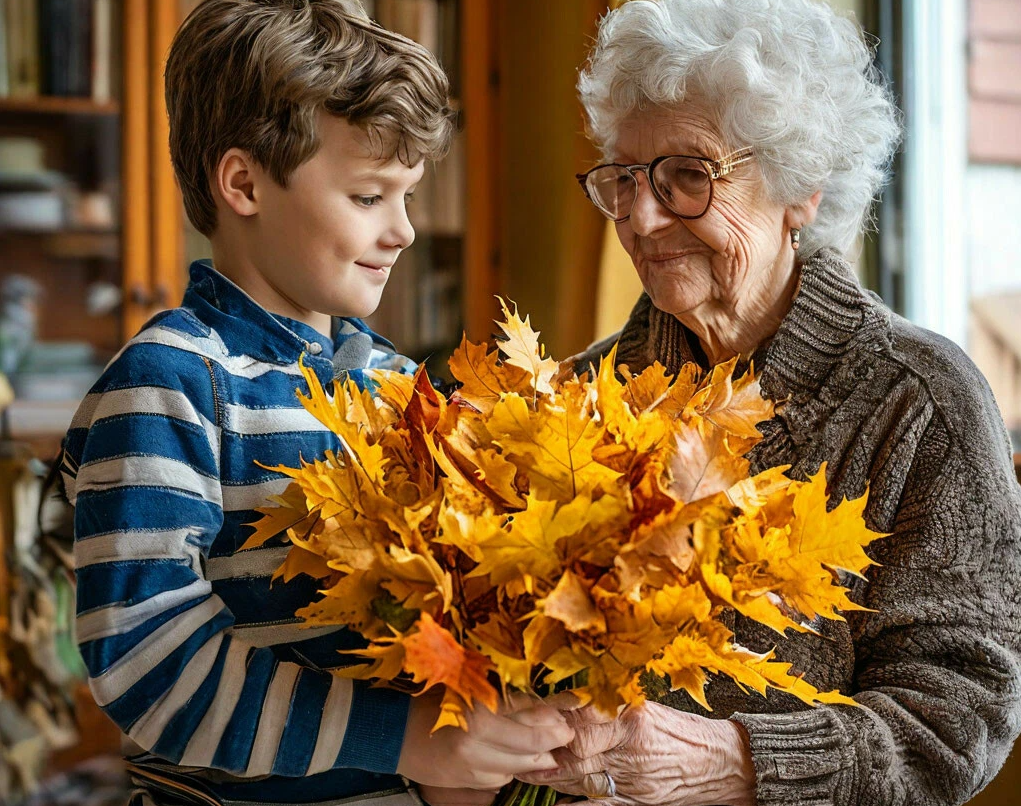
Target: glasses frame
[715,169]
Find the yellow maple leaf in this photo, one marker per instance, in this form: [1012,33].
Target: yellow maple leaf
[384,661]
[553,446]
[394,389]
[416,579]
[832,537]
[501,640]
[527,545]
[736,406]
[703,464]
[348,602]
[542,637]
[523,350]
[289,511]
[302,561]
[647,388]
[570,603]
[679,605]
[778,676]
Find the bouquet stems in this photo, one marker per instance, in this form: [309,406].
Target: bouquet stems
[518,793]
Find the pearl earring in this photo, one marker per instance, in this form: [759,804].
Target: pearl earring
[795,239]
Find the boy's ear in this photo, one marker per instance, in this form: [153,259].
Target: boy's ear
[235,180]
[803,214]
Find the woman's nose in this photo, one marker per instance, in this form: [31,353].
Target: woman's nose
[648,215]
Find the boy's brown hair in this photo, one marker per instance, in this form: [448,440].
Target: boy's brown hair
[252,74]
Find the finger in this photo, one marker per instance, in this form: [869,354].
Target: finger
[510,735]
[588,715]
[490,760]
[528,709]
[540,715]
[591,785]
[595,739]
[569,768]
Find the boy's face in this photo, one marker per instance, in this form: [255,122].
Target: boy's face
[326,243]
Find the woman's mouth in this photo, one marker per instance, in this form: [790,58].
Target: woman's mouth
[666,257]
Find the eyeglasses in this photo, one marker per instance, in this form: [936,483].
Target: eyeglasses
[682,184]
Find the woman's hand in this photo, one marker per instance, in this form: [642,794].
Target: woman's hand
[495,748]
[655,755]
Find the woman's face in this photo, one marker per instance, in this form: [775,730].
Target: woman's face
[730,258]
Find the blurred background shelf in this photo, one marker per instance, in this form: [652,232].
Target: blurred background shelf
[71,244]
[55,105]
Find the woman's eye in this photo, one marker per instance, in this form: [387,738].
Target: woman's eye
[409,198]
[368,201]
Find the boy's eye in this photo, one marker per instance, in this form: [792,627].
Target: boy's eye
[368,201]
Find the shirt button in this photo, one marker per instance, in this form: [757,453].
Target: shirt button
[315,348]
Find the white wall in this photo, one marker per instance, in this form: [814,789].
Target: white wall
[993,235]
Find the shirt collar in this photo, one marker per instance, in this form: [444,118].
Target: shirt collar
[246,328]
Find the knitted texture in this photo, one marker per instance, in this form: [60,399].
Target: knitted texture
[903,414]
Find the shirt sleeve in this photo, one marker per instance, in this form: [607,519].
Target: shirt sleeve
[162,660]
[937,667]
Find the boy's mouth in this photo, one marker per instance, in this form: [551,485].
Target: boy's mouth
[372,268]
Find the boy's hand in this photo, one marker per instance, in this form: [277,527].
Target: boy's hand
[496,747]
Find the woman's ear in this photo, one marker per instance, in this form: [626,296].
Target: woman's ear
[803,214]
[235,182]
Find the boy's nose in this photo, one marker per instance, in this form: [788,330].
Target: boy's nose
[402,233]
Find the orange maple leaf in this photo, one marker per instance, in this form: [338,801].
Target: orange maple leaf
[433,657]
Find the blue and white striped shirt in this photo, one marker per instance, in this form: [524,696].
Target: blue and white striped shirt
[189,648]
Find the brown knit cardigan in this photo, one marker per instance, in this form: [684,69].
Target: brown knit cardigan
[903,413]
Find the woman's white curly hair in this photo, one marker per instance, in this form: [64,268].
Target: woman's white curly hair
[789,78]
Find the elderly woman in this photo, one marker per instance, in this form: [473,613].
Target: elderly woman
[745,141]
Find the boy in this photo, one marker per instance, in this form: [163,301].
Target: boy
[298,132]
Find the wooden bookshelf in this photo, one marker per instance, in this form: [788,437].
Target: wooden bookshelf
[71,244]
[117,148]
[52,105]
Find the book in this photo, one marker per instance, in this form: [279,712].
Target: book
[80,79]
[54,45]
[65,42]
[30,12]
[4,83]
[22,62]
[102,50]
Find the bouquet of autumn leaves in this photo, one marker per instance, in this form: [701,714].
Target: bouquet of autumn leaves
[539,527]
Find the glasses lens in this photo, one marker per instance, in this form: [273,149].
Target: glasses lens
[684,185]
[612,189]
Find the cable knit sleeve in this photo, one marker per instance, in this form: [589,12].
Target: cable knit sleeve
[937,669]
